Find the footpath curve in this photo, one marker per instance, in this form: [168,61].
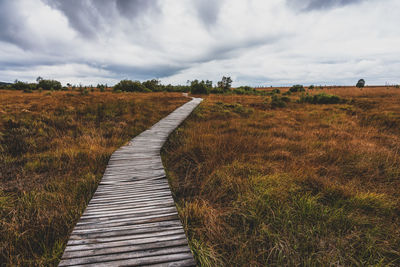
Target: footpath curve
[132,218]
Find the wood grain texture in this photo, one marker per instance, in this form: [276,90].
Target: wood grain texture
[132,218]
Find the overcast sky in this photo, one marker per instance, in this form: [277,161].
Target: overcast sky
[256,42]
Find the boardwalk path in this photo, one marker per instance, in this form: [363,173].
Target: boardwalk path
[132,219]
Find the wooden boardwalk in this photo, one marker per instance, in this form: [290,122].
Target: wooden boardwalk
[132,219]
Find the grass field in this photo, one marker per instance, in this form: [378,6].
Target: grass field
[278,180]
[54,148]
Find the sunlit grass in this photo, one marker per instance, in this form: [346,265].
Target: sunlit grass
[313,184]
[54,149]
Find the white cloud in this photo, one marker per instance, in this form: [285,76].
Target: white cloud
[274,42]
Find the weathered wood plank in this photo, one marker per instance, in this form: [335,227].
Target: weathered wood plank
[129,255]
[132,219]
[170,259]
[121,249]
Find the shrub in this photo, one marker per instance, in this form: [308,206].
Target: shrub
[241,91]
[197,87]
[216,90]
[225,83]
[279,102]
[287,93]
[129,86]
[311,87]
[85,92]
[49,84]
[360,83]
[297,88]
[18,85]
[152,85]
[322,98]
[245,88]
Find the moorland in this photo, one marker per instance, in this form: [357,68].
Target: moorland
[54,149]
[266,176]
[291,179]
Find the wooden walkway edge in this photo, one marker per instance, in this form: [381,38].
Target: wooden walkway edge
[132,219]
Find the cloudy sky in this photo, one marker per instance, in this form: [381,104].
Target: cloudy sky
[256,42]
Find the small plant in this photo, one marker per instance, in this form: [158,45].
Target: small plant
[322,98]
[200,87]
[85,91]
[360,83]
[287,93]
[279,102]
[297,88]
[276,91]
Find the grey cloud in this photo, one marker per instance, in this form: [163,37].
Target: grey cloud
[208,11]
[228,50]
[144,73]
[91,17]
[83,15]
[133,8]
[12,28]
[308,5]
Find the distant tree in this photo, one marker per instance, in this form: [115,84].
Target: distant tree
[38,79]
[153,85]
[225,83]
[130,86]
[19,85]
[49,84]
[197,87]
[360,83]
[297,88]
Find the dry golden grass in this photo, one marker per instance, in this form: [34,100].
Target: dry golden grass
[306,184]
[54,148]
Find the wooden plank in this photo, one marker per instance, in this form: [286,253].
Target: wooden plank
[145,219]
[128,255]
[170,259]
[131,247]
[73,242]
[160,224]
[138,231]
[132,219]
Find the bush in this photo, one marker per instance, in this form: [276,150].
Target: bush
[360,83]
[311,87]
[279,102]
[216,90]
[152,85]
[297,88]
[287,93]
[245,88]
[322,98]
[129,86]
[18,85]
[85,92]
[49,85]
[225,83]
[197,87]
